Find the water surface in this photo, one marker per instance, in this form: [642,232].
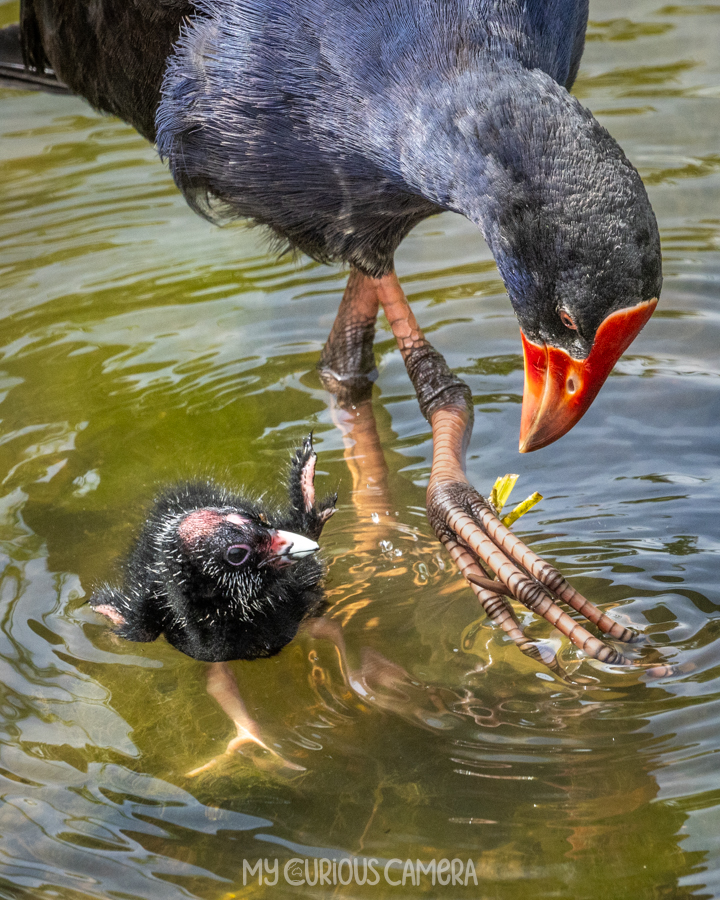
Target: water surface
[139,344]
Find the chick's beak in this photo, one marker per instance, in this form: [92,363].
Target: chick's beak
[286,547]
[559,389]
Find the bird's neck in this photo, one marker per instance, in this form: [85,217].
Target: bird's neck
[486,145]
[474,143]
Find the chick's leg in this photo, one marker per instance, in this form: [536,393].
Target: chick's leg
[222,687]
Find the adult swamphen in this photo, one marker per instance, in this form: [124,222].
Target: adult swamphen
[340,124]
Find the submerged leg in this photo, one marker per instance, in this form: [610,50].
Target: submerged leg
[347,369]
[384,684]
[464,521]
[223,688]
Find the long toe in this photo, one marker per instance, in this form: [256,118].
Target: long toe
[260,754]
[476,538]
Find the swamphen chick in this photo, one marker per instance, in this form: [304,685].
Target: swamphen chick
[223,576]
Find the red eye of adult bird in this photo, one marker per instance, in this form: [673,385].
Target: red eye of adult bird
[559,389]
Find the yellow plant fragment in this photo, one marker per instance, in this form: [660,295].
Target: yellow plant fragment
[500,495]
[501,491]
[521,509]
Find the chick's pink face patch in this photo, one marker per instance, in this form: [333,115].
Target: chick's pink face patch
[113,614]
[199,524]
[235,519]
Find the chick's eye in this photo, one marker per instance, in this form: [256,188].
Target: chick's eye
[567,320]
[237,554]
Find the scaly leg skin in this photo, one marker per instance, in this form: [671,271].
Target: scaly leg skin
[347,364]
[464,521]
[347,369]
[223,688]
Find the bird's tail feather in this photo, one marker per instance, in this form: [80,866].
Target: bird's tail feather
[15,74]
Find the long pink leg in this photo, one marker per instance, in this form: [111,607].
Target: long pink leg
[347,368]
[464,521]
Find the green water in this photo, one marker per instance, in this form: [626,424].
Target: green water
[138,344]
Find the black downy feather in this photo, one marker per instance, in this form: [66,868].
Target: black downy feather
[203,572]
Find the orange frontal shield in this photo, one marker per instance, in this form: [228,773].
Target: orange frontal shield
[559,389]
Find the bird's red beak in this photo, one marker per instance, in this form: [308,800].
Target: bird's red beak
[559,389]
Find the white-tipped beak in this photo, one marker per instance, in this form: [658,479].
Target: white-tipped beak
[294,546]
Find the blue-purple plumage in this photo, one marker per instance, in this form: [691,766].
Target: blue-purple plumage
[302,115]
[340,124]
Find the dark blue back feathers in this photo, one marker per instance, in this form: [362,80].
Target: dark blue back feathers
[340,124]
[295,113]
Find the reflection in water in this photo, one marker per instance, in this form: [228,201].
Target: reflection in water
[140,346]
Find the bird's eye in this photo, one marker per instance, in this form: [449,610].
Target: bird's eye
[237,554]
[567,320]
